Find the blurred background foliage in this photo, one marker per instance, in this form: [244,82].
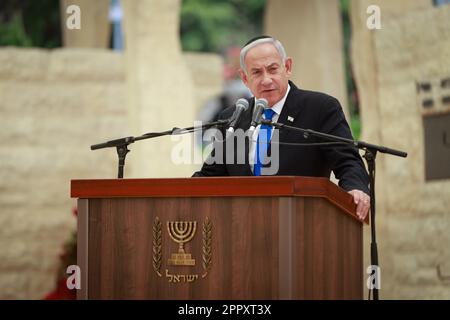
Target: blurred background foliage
[205,26]
[30,23]
[215,25]
[352,92]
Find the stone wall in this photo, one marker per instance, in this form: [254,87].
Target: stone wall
[95,29]
[413,216]
[159,85]
[53,104]
[311,31]
[207,76]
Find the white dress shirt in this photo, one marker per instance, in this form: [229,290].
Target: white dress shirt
[277,107]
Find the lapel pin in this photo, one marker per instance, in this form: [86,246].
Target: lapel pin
[290,119]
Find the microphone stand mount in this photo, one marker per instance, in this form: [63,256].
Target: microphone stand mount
[122,144]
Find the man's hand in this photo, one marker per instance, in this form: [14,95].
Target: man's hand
[362,201]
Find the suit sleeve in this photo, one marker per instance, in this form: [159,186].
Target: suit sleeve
[345,161]
[212,168]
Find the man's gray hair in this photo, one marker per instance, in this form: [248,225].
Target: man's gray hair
[258,42]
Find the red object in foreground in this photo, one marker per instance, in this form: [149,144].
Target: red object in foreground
[61,292]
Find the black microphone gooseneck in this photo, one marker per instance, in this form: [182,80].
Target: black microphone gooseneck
[121,144]
[260,105]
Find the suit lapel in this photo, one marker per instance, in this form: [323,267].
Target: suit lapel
[290,111]
[247,116]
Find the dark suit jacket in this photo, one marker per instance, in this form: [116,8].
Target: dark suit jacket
[310,110]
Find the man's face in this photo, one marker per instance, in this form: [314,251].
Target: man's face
[267,77]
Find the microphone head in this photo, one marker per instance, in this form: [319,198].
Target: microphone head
[260,105]
[241,107]
[258,110]
[242,103]
[263,103]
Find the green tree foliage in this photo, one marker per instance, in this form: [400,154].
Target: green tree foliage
[27,23]
[206,25]
[213,25]
[13,33]
[345,9]
[352,93]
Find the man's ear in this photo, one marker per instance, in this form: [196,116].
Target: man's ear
[243,76]
[288,65]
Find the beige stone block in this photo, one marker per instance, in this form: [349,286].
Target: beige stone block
[317,50]
[410,248]
[410,252]
[206,68]
[49,120]
[409,292]
[30,249]
[389,9]
[86,64]
[421,278]
[161,93]
[207,75]
[436,199]
[14,286]
[95,27]
[15,256]
[401,63]
[407,43]
[364,60]
[24,65]
[429,227]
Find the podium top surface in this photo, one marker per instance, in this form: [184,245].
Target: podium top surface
[275,186]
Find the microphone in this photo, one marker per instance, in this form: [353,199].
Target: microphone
[241,106]
[260,105]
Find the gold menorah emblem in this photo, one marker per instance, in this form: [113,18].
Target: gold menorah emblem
[181,232]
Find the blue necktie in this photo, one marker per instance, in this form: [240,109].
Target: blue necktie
[265,132]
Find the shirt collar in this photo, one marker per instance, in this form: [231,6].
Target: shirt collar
[277,107]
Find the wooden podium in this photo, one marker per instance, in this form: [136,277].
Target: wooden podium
[218,238]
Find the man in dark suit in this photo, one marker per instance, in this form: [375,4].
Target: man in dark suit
[265,70]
